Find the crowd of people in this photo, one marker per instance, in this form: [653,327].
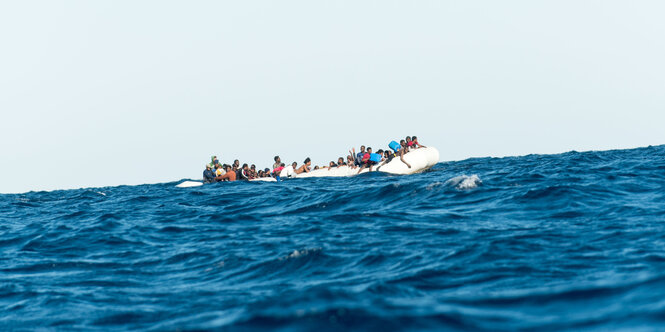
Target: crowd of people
[216,171]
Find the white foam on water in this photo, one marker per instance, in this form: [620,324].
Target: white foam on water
[465,182]
[299,253]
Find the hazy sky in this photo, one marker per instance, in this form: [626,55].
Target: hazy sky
[96,93]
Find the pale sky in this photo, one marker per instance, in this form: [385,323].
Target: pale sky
[97,93]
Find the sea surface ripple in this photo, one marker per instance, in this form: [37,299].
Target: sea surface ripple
[573,241]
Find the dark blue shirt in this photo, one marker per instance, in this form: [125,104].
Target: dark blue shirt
[359,158]
[208,176]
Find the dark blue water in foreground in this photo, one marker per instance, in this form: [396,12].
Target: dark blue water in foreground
[572,241]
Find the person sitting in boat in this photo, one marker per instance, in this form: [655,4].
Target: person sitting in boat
[331,165]
[278,161]
[409,143]
[414,141]
[219,169]
[305,168]
[376,158]
[370,159]
[389,155]
[340,162]
[395,147]
[252,172]
[278,169]
[294,165]
[276,173]
[316,167]
[230,175]
[235,168]
[350,161]
[208,175]
[243,172]
[359,155]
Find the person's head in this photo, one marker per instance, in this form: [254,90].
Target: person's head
[294,164]
[331,164]
[402,142]
[414,138]
[369,150]
[380,151]
[316,167]
[277,159]
[261,172]
[267,170]
[212,158]
[253,167]
[307,161]
[386,154]
[245,166]
[408,139]
[228,168]
[236,162]
[349,158]
[218,165]
[282,164]
[340,161]
[362,148]
[208,166]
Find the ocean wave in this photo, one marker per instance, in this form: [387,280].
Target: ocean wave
[541,242]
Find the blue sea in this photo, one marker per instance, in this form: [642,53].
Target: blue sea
[572,241]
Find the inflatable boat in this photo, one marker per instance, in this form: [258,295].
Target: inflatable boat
[420,160]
